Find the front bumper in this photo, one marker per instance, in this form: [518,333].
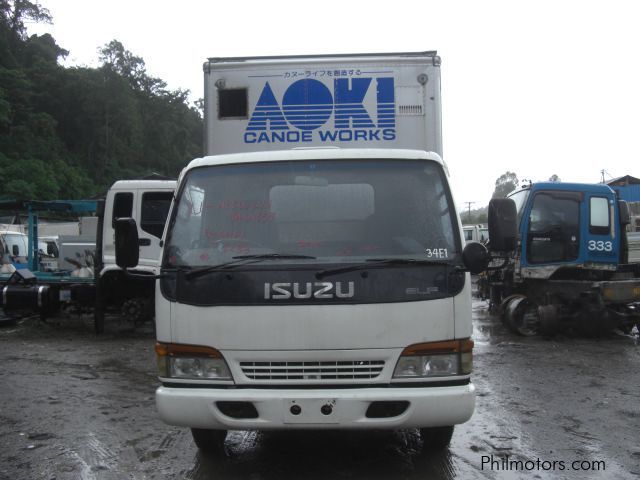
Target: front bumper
[427,407]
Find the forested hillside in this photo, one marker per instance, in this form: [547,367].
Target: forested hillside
[70,132]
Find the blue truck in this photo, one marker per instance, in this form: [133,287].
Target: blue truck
[561,260]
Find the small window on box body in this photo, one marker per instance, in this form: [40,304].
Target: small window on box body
[232,103]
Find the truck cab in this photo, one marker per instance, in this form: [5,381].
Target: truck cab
[149,202]
[562,260]
[567,225]
[14,250]
[475,233]
[313,274]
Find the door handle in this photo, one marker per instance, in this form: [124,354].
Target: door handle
[144,242]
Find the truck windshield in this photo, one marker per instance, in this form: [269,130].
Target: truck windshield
[520,199]
[313,212]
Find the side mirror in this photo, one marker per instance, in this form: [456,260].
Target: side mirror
[475,257]
[127,252]
[15,250]
[503,224]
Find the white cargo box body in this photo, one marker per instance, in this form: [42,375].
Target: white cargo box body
[349,101]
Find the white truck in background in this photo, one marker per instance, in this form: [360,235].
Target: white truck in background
[475,233]
[84,274]
[148,201]
[13,250]
[313,273]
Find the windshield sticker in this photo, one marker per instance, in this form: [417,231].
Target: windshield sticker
[241,205]
[262,217]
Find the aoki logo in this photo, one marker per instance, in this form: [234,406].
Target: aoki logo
[308,105]
[321,290]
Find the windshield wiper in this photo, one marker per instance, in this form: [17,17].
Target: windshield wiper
[240,260]
[378,261]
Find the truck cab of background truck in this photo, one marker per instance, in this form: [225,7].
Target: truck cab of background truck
[564,260]
[567,224]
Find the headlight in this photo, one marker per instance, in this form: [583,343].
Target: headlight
[427,366]
[436,359]
[205,368]
[189,361]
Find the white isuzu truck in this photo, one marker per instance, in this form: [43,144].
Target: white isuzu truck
[313,273]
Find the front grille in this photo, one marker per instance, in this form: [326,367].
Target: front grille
[342,370]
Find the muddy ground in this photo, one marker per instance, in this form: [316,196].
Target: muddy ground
[77,406]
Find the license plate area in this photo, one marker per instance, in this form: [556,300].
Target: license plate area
[311,411]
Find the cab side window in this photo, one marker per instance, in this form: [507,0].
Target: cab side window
[154,211]
[599,221]
[554,228]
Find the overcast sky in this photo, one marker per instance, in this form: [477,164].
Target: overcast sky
[537,88]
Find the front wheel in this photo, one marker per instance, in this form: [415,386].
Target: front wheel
[436,438]
[209,441]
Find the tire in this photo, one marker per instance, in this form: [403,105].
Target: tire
[436,438]
[521,316]
[209,441]
[502,307]
[549,322]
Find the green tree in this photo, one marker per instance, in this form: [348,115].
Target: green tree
[15,12]
[505,184]
[5,108]
[171,128]
[70,132]
[38,184]
[33,164]
[475,216]
[13,16]
[131,67]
